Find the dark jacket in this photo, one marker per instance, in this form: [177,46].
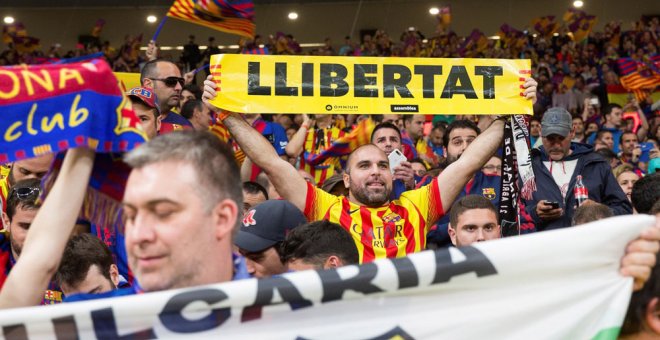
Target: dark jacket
[596,176]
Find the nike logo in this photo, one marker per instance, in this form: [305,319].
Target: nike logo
[350,212]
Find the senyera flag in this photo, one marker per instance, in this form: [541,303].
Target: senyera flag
[231,16]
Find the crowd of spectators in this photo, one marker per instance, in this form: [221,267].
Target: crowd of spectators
[592,159]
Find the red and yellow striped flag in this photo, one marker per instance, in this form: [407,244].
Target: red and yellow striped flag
[227,16]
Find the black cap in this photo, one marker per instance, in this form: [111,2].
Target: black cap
[267,224]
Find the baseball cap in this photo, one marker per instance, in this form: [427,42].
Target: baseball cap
[145,95]
[267,224]
[556,121]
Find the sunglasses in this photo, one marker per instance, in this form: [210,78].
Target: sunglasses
[171,81]
[25,193]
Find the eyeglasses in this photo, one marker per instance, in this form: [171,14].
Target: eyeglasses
[25,193]
[492,167]
[171,81]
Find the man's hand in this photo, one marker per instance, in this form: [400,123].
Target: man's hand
[636,152]
[546,212]
[152,51]
[189,77]
[641,255]
[530,89]
[405,173]
[210,93]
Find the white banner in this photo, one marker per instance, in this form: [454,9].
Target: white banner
[562,284]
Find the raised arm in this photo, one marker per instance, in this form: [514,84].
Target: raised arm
[288,183]
[453,179]
[297,142]
[49,233]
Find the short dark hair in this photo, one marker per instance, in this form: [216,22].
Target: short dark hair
[601,132]
[607,109]
[190,106]
[255,188]
[149,69]
[16,199]
[470,202]
[625,133]
[82,252]
[194,89]
[645,193]
[420,161]
[591,212]
[607,154]
[315,242]
[459,124]
[385,125]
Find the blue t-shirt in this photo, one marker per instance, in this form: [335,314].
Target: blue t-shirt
[487,186]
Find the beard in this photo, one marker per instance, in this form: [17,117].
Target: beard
[451,159]
[17,248]
[371,197]
[10,178]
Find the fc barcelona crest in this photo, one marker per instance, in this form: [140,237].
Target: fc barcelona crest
[489,193]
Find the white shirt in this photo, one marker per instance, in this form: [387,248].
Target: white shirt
[561,172]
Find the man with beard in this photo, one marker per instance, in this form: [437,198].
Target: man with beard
[380,228]
[460,134]
[556,166]
[164,77]
[36,167]
[22,207]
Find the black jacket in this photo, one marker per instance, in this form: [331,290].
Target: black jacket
[596,176]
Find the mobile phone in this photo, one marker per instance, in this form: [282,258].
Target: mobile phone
[646,148]
[594,101]
[396,157]
[552,204]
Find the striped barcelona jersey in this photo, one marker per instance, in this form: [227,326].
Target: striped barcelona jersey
[394,230]
[318,140]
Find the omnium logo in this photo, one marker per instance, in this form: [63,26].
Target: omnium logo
[404,108]
[341,107]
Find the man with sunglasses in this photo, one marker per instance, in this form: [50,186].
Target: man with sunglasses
[164,77]
[22,207]
[36,167]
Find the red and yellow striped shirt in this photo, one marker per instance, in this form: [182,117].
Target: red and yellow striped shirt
[316,141]
[394,230]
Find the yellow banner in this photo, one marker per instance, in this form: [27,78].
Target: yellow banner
[127,80]
[368,85]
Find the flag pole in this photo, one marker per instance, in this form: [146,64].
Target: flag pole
[160,27]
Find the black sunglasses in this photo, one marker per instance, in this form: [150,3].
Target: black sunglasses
[25,193]
[171,81]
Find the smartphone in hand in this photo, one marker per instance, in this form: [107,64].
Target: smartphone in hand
[396,157]
[552,204]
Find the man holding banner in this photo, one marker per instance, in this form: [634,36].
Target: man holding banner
[380,228]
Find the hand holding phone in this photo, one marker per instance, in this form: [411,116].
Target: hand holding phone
[552,204]
[396,157]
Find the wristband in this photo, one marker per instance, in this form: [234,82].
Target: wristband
[223,115]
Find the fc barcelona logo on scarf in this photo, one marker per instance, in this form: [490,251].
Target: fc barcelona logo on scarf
[489,193]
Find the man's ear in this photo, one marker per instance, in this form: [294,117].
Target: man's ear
[148,83]
[114,275]
[347,180]
[5,221]
[651,316]
[333,262]
[225,215]
[452,234]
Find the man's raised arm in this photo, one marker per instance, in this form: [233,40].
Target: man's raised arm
[453,179]
[284,176]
